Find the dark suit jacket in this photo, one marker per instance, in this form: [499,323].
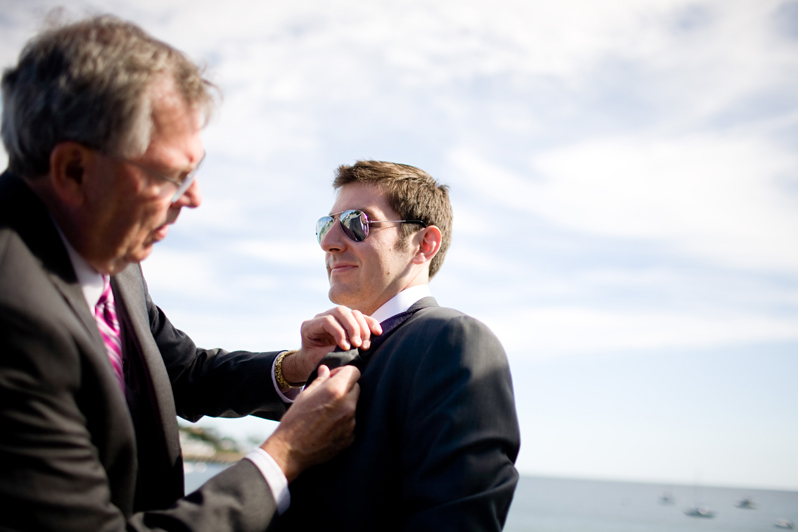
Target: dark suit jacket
[75,455]
[435,440]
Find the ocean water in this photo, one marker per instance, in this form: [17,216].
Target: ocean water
[560,505]
[567,505]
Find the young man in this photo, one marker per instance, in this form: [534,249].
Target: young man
[102,126]
[437,434]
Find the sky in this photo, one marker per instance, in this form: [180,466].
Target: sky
[625,187]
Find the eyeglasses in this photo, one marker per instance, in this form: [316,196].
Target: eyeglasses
[354,223]
[182,186]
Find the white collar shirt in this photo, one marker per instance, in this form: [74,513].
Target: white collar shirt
[401,302]
[91,282]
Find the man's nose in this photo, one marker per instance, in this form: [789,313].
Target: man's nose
[334,239]
[191,198]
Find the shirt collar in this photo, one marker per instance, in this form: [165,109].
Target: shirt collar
[401,302]
[91,282]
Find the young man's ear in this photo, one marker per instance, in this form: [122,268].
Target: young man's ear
[428,245]
[68,166]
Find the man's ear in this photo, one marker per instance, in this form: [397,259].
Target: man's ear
[428,245]
[69,162]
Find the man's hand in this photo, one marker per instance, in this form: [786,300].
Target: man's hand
[319,424]
[340,326]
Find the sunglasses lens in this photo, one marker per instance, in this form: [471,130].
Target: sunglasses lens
[323,226]
[355,225]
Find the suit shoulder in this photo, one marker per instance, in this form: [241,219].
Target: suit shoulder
[438,335]
[21,274]
[450,320]
[9,240]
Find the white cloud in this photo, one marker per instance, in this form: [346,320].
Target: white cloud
[545,332]
[719,197]
[285,252]
[183,273]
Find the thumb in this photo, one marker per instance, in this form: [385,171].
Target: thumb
[323,373]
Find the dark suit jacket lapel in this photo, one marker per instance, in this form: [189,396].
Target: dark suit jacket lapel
[129,291]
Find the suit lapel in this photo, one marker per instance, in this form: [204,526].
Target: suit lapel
[73,295]
[129,287]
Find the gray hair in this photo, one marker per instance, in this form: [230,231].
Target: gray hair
[92,81]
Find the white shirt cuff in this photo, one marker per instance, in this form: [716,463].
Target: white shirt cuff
[291,394]
[274,476]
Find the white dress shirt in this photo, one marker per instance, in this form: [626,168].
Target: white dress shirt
[401,302]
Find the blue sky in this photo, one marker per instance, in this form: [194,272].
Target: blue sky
[625,186]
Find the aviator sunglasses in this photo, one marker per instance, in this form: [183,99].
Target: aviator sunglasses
[354,223]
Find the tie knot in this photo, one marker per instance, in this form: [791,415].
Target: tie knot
[107,294]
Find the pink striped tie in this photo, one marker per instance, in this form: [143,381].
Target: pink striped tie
[105,316]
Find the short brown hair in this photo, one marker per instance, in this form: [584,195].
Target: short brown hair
[91,82]
[412,193]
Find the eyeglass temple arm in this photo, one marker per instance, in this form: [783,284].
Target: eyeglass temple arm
[398,222]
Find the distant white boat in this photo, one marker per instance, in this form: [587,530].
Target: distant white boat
[699,511]
[784,523]
[746,503]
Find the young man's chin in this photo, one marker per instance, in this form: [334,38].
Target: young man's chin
[340,296]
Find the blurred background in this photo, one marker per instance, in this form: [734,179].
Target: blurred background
[624,178]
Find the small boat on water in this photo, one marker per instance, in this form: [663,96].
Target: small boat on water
[666,498]
[785,524]
[746,503]
[699,511]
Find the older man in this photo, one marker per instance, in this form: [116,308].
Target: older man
[102,124]
[437,433]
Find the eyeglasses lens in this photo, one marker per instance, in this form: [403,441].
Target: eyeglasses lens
[184,186]
[323,226]
[354,224]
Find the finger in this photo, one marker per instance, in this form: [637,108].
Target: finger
[325,329]
[374,325]
[337,330]
[354,394]
[348,320]
[323,373]
[363,326]
[348,374]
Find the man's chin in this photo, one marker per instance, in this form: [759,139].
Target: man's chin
[116,266]
[137,255]
[338,296]
[160,233]
[341,296]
